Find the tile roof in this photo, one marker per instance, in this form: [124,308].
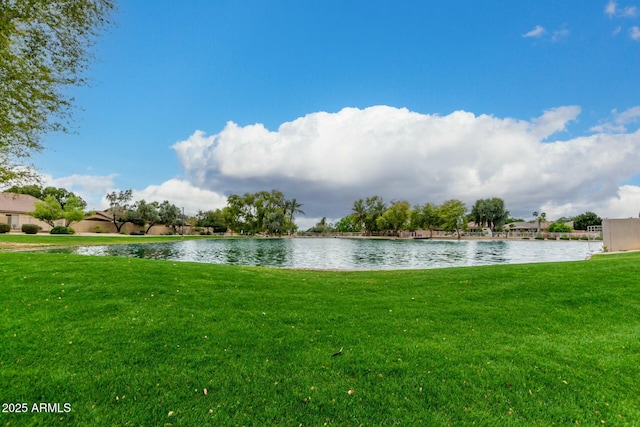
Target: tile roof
[99,216]
[17,203]
[525,225]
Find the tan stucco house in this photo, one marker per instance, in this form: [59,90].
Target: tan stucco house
[102,222]
[526,227]
[15,208]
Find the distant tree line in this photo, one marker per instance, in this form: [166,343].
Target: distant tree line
[250,213]
[272,213]
[373,216]
[261,212]
[122,210]
[580,222]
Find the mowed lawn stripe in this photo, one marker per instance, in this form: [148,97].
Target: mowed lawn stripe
[137,342]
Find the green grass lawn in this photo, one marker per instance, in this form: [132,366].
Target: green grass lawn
[8,241]
[137,342]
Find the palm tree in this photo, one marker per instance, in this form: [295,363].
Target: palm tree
[291,208]
[539,218]
[360,211]
[375,207]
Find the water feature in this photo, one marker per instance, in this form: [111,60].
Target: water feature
[351,254]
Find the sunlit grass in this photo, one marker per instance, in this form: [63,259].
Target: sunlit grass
[137,342]
[21,241]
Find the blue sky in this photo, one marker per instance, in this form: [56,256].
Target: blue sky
[421,100]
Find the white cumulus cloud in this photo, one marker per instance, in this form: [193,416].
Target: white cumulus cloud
[612,10]
[182,194]
[554,120]
[626,203]
[629,116]
[538,31]
[620,121]
[328,160]
[91,188]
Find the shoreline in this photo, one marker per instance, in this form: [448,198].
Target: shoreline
[436,238]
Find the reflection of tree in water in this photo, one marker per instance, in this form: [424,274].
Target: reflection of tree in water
[494,252]
[233,254]
[346,253]
[263,252]
[147,250]
[275,252]
[451,251]
[369,255]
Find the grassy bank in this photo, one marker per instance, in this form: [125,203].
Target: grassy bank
[14,241]
[137,342]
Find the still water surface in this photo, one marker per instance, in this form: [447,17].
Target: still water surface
[351,254]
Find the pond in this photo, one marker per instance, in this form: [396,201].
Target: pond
[351,254]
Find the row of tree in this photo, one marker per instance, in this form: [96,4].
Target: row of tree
[272,213]
[250,213]
[261,212]
[580,222]
[122,210]
[59,203]
[373,216]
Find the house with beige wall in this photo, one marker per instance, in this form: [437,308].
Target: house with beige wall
[14,209]
[102,222]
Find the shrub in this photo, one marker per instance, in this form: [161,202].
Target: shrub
[137,233]
[30,228]
[560,227]
[539,237]
[4,228]
[98,229]
[59,229]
